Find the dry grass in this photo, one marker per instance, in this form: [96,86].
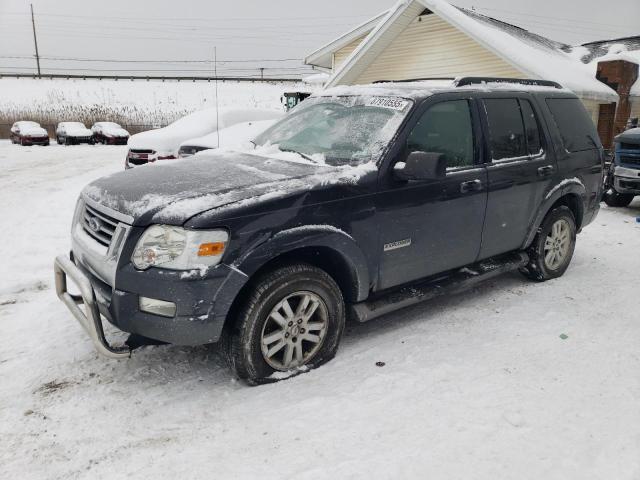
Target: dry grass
[133,118]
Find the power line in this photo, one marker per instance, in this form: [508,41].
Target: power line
[109,60]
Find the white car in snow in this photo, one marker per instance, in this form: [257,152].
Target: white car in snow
[109,133]
[68,133]
[236,135]
[164,143]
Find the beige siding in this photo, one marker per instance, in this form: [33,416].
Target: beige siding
[593,107]
[431,47]
[635,107]
[342,54]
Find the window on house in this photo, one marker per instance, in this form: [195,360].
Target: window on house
[445,128]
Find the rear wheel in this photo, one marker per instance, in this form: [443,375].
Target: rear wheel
[615,199]
[292,320]
[552,248]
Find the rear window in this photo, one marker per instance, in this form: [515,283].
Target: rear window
[574,124]
[507,137]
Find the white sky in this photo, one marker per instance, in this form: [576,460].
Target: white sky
[163,30]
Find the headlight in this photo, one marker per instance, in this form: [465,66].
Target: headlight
[177,248]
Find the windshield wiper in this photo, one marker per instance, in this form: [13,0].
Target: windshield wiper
[304,155]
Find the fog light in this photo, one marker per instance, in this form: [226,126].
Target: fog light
[157,307]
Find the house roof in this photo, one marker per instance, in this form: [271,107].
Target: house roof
[322,56]
[532,54]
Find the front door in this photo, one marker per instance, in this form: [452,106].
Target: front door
[430,226]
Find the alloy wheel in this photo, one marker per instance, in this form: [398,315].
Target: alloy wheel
[294,330]
[557,244]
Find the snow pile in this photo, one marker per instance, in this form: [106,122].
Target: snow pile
[510,380]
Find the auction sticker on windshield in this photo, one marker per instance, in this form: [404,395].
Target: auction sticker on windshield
[388,102]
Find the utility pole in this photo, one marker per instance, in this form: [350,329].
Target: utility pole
[215,74]
[261,73]
[35,40]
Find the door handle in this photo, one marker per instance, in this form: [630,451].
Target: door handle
[471,186]
[546,170]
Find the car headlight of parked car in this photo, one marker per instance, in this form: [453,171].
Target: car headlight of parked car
[177,248]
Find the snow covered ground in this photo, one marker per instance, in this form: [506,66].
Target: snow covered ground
[510,380]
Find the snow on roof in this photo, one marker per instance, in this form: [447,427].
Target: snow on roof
[627,49]
[534,55]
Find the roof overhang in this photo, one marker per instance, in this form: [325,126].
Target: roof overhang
[506,47]
[323,56]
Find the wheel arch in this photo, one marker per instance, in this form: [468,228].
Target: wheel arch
[570,193]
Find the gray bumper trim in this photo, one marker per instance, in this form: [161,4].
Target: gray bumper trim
[90,318]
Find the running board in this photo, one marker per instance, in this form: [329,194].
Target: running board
[453,282]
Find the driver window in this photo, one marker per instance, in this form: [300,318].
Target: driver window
[445,128]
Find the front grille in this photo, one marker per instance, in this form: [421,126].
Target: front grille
[98,225]
[629,146]
[139,156]
[629,160]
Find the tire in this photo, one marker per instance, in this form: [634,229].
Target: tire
[543,264]
[615,199]
[263,316]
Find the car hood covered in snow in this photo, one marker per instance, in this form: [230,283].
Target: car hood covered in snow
[33,131]
[78,132]
[173,192]
[115,132]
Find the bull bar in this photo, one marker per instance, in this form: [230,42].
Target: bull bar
[89,318]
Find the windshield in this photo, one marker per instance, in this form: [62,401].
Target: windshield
[74,124]
[338,130]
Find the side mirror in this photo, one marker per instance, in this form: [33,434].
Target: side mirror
[421,166]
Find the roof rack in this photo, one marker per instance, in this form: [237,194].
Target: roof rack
[464,81]
[408,80]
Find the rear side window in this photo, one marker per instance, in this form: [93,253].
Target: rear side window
[574,124]
[445,128]
[506,130]
[534,146]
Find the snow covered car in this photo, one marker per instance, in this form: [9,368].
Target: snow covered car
[109,133]
[164,143]
[622,183]
[362,200]
[236,135]
[70,133]
[28,133]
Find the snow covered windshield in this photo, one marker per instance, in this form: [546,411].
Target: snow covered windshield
[339,130]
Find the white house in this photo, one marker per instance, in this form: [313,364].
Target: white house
[431,38]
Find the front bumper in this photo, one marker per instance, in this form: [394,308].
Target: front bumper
[90,318]
[626,180]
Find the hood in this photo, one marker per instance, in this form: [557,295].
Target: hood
[230,137]
[115,132]
[173,192]
[34,132]
[79,132]
[631,136]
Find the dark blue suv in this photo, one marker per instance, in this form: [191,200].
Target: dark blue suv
[360,201]
[623,179]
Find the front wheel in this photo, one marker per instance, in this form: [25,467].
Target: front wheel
[615,199]
[291,320]
[552,248]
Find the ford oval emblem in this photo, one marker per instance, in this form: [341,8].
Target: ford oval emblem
[94,224]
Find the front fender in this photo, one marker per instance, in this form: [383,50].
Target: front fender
[315,236]
[571,186]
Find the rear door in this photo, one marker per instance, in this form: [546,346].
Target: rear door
[521,169]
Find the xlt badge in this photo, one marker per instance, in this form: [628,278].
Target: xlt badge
[398,244]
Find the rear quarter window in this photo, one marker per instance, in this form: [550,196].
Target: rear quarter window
[574,124]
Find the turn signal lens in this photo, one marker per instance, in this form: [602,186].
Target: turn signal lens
[211,249]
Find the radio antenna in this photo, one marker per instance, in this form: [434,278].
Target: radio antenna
[215,74]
